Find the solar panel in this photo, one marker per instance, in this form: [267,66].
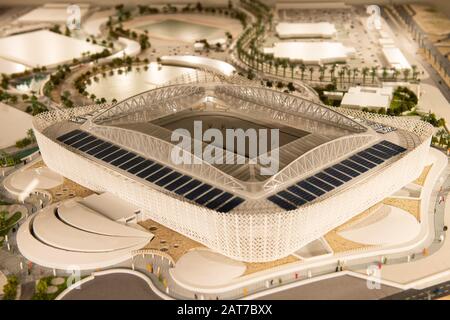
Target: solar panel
[337,174]
[91,145]
[301,193]
[354,166]
[385,149]
[81,143]
[68,135]
[291,198]
[165,177]
[322,185]
[362,161]
[230,205]
[379,154]
[159,174]
[141,166]
[123,159]
[281,203]
[150,170]
[130,164]
[169,178]
[370,157]
[208,196]
[106,152]
[346,170]
[178,183]
[220,200]
[194,194]
[115,155]
[310,188]
[99,148]
[76,138]
[392,146]
[329,179]
[188,187]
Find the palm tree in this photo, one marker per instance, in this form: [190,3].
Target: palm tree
[414,72]
[365,71]
[341,74]
[292,65]
[355,73]
[277,65]
[311,71]
[373,73]
[406,74]
[270,63]
[284,65]
[332,71]
[384,74]
[395,73]
[302,70]
[322,70]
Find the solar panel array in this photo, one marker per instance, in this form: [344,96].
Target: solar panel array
[163,176]
[332,177]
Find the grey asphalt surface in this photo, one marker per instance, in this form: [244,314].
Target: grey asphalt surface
[429,293]
[338,288]
[117,286]
[27,290]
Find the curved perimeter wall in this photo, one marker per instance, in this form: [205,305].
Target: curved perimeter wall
[248,236]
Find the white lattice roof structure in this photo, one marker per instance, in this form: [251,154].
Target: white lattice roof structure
[272,216]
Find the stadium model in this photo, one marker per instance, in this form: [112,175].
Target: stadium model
[333,163]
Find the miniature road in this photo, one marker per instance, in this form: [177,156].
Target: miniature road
[338,288]
[117,286]
[434,292]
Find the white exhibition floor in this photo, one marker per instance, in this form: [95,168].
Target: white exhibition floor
[14,125]
[305,30]
[43,48]
[311,52]
[9,67]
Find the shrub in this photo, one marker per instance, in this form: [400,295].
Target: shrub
[10,288]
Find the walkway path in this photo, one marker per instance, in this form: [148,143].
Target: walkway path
[338,288]
[432,264]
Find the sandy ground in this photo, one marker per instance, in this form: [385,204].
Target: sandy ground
[431,21]
[409,205]
[423,176]
[177,245]
[432,99]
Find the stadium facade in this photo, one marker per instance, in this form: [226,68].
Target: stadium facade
[334,163]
